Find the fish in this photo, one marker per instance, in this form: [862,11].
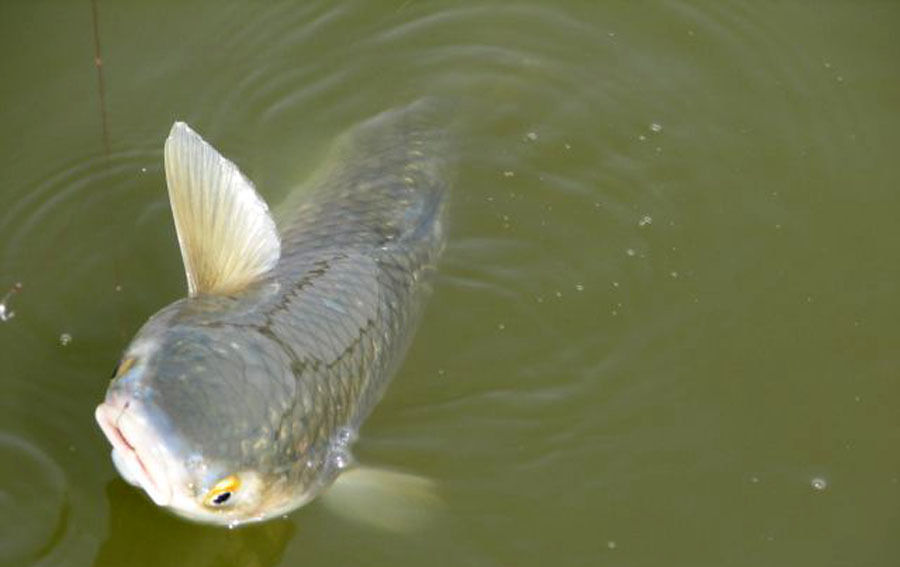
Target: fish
[240,402]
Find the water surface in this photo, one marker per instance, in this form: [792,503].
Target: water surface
[665,328]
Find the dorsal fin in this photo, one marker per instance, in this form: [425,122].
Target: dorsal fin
[227,236]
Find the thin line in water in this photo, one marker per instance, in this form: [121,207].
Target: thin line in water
[98,63]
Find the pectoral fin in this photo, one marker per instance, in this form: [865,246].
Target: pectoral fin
[384,499]
[227,236]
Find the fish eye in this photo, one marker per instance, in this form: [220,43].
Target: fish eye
[221,493]
[124,366]
[221,498]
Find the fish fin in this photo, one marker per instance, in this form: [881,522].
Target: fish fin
[226,234]
[388,500]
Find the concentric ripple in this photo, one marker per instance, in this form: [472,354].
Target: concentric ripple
[33,501]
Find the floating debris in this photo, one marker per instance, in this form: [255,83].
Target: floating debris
[630,252]
[645,220]
[509,173]
[531,136]
[65,339]
[819,483]
[655,127]
[579,287]
[5,312]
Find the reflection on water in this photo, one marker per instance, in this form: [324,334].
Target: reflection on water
[140,532]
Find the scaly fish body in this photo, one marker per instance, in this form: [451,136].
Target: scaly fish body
[240,404]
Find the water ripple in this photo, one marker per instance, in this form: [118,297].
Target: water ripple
[33,502]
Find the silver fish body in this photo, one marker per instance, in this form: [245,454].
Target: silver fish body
[264,389]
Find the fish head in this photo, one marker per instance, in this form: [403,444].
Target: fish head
[185,428]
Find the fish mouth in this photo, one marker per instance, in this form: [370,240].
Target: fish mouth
[135,449]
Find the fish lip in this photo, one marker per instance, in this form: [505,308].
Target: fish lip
[129,435]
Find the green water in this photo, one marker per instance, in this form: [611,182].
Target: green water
[665,330]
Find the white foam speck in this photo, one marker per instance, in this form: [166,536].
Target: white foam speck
[819,483]
[65,339]
[655,127]
[5,312]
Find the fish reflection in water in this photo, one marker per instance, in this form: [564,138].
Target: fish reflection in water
[137,530]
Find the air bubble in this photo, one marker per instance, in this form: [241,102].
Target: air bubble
[345,435]
[341,459]
[819,483]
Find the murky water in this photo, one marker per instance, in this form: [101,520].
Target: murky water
[665,331]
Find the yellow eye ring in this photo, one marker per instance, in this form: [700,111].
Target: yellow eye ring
[222,492]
